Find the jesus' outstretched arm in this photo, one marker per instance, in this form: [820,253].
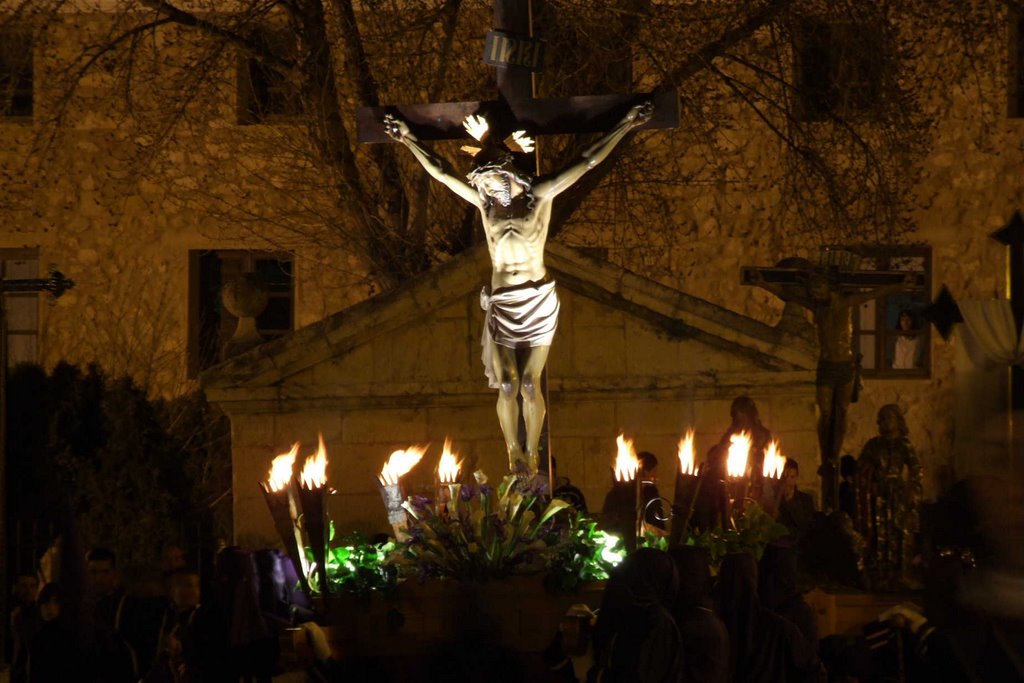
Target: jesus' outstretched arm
[434,165]
[596,153]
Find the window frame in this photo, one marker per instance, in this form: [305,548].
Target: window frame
[1015,78]
[22,43]
[254,81]
[880,310]
[846,47]
[204,322]
[20,254]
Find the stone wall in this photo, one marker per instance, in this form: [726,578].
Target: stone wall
[119,214]
[124,235]
[422,380]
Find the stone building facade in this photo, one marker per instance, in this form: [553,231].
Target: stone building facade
[128,241]
[404,369]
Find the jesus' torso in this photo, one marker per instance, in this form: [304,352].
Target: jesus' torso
[516,235]
[835,330]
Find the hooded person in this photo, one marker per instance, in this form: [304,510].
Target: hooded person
[764,647]
[779,590]
[635,638]
[705,640]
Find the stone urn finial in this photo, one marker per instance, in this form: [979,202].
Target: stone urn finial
[245,296]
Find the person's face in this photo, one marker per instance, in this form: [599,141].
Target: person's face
[50,609]
[888,423]
[789,477]
[102,576]
[185,592]
[498,186]
[906,323]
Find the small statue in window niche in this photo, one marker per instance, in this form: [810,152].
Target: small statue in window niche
[889,489]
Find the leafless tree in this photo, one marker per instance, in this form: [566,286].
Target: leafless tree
[825,107]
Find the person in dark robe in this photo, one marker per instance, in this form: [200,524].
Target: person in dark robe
[763,646]
[56,652]
[25,623]
[705,640]
[746,418]
[796,508]
[779,590]
[635,638]
[710,508]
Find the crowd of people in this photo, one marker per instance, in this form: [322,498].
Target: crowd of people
[85,626]
[663,618]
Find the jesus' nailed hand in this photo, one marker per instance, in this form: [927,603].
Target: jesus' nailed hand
[522,307]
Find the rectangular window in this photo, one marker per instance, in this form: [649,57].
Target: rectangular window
[838,69]
[265,93]
[1016,109]
[211,325]
[16,73]
[893,339]
[21,310]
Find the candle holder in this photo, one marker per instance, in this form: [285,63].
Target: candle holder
[312,490]
[627,474]
[397,465]
[282,508]
[688,488]
[446,482]
[393,497]
[314,520]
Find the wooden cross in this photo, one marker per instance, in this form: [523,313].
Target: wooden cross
[516,108]
[511,47]
[56,285]
[833,384]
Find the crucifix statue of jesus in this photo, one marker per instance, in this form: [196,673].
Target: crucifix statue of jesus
[521,304]
[832,296]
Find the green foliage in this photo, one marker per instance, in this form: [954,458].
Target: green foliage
[355,565]
[589,555]
[754,530]
[657,541]
[484,533]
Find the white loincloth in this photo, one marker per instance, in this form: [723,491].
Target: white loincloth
[516,318]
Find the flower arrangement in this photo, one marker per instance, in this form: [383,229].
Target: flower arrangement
[484,532]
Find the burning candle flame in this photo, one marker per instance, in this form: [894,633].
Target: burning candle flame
[626,462]
[686,459]
[281,469]
[774,461]
[448,467]
[399,463]
[314,470]
[739,451]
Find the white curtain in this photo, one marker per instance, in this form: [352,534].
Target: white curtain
[990,335]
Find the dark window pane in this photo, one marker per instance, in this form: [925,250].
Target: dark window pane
[15,73]
[276,316]
[214,325]
[1017,103]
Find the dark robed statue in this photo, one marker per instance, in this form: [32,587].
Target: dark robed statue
[521,305]
[888,498]
[836,379]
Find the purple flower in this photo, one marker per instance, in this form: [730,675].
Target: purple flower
[486,489]
[466,493]
[420,503]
